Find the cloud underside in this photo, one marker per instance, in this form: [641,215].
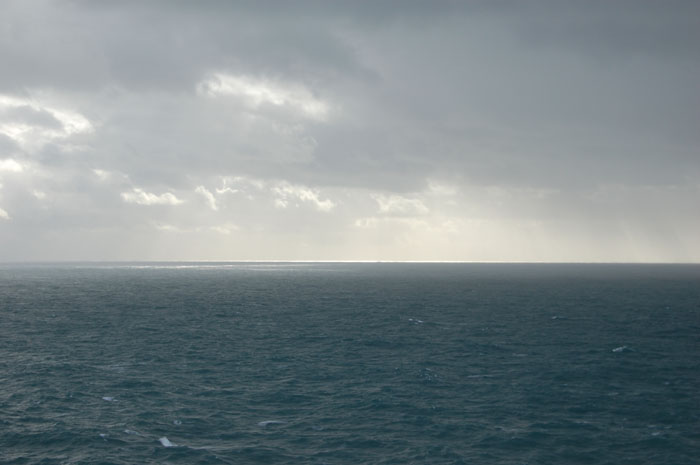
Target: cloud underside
[394,131]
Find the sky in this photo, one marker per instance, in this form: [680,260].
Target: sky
[370,130]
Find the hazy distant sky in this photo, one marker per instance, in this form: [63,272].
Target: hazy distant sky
[366,130]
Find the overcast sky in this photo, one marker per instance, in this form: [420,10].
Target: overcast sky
[377,130]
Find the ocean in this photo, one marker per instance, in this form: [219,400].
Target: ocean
[349,363]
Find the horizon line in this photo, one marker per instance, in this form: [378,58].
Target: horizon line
[543,262]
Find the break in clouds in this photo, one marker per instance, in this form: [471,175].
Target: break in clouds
[390,130]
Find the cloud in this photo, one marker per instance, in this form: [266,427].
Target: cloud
[256,92]
[103,175]
[170,228]
[32,123]
[10,165]
[396,204]
[4,215]
[286,193]
[227,228]
[227,190]
[141,197]
[208,196]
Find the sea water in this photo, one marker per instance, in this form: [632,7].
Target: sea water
[319,363]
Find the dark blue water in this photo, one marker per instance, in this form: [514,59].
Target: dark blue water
[350,363]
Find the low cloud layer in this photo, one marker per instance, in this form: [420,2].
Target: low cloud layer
[537,131]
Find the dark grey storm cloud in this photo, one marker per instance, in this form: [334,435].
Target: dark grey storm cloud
[402,130]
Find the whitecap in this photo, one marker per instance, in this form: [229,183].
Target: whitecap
[131,431]
[109,399]
[271,422]
[177,422]
[166,442]
[620,349]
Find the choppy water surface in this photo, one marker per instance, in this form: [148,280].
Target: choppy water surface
[349,363]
